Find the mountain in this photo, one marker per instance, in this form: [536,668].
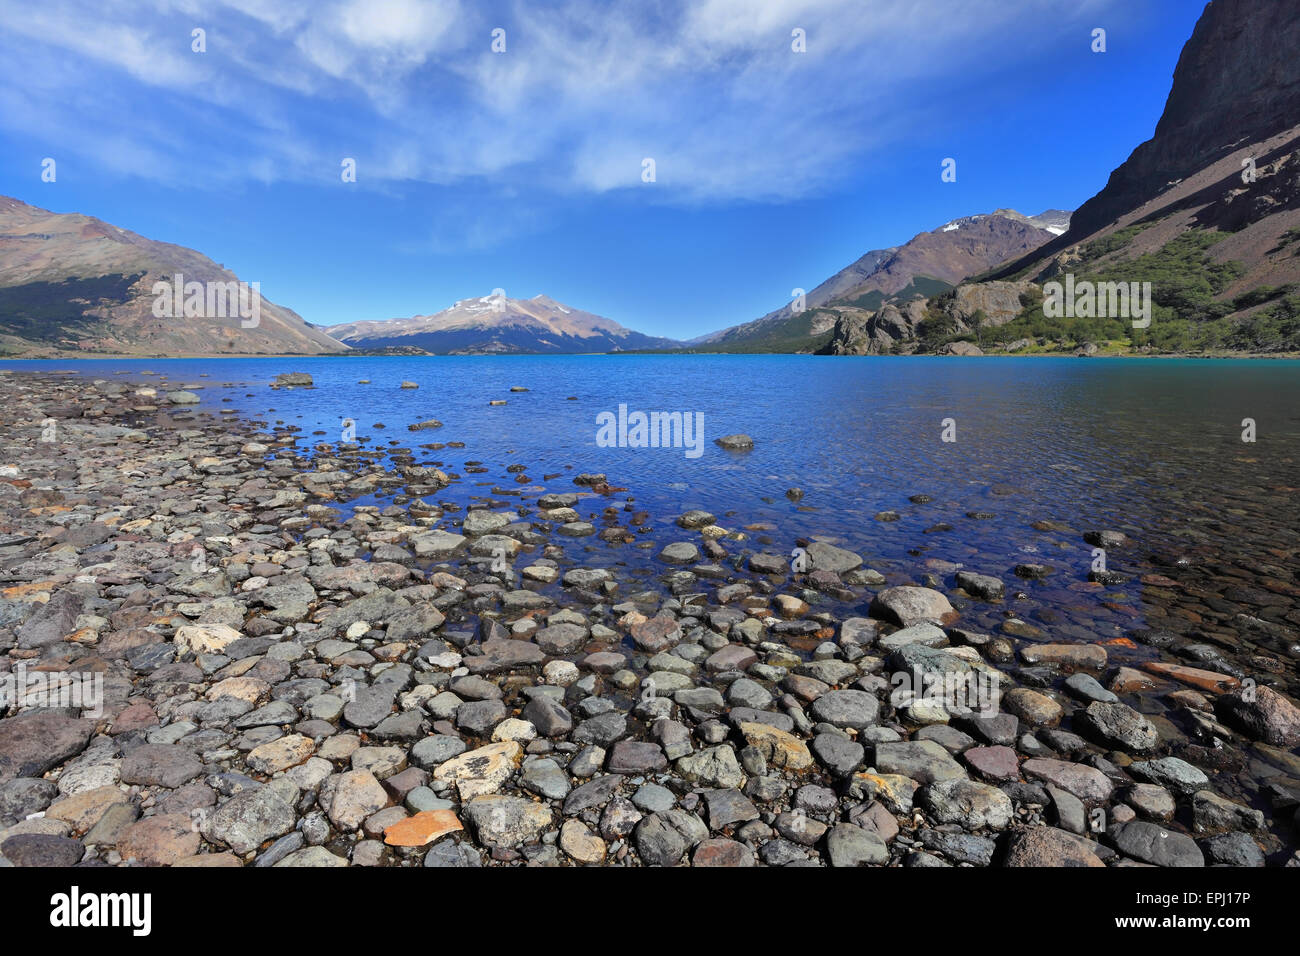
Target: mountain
[74,284]
[928,264]
[496,324]
[1220,246]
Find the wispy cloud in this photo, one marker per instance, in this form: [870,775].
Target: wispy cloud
[712,90]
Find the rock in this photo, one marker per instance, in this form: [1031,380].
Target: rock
[727,807]
[205,638]
[847,708]
[695,519]
[577,840]
[504,821]
[1033,708]
[1262,713]
[712,767]
[981,585]
[1211,812]
[357,794]
[779,748]
[548,716]
[827,557]
[1087,783]
[906,606]
[313,856]
[160,765]
[998,764]
[721,852]
[849,845]
[159,840]
[681,552]
[1172,772]
[296,379]
[1066,656]
[662,839]
[1119,725]
[838,754]
[636,756]
[737,442]
[924,761]
[41,849]
[281,754]
[481,771]
[36,741]
[967,803]
[1048,846]
[249,819]
[1156,845]
[1085,687]
[1233,849]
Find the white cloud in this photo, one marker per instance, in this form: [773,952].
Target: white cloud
[711,89]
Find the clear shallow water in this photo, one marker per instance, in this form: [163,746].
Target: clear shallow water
[1149,447]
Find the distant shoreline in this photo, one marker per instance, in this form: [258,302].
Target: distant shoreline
[80,357]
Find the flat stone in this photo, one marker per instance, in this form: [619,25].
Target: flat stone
[422,828]
[781,749]
[721,852]
[1087,783]
[34,742]
[582,845]
[1119,725]
[998,764]
[357,794]
[160,765]
[636,756]
[1049,847]
[159,840]
[907,605]
[42,849]
[847,709]
[1154,844]
[504,821]
[712,767]
[481,771]
[249,819]
[924,761]
[849,845]
[1066,656]
[967,803]
[662,839]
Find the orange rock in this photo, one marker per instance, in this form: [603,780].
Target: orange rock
[31,587]
[1214,682]
[422,829]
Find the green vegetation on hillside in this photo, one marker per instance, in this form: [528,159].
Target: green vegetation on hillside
[1186,315]
[44,312]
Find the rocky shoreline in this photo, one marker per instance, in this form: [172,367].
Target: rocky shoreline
[288,680]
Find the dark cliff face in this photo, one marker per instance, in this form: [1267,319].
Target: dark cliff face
[1237,82]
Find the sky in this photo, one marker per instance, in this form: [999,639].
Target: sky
[524,167]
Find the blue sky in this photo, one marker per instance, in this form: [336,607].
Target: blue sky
[522,169]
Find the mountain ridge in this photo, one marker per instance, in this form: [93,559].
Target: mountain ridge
[496,324]
[72,283]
